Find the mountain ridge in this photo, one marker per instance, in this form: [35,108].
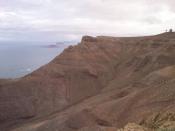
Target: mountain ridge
[104,81]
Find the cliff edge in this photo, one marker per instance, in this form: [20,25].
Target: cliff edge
[102,81]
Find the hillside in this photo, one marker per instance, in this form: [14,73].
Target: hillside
[103,83]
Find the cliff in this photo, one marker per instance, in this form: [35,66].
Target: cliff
[102,81]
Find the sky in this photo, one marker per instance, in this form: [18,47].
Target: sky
[69,20]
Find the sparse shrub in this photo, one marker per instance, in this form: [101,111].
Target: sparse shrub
[157,123]
[166,129]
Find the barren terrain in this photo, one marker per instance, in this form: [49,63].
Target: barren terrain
[103,83]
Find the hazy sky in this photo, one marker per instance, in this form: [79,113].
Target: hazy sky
[57,20]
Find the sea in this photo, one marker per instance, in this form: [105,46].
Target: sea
[18,59]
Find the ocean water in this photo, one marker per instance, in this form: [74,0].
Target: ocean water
[20,59]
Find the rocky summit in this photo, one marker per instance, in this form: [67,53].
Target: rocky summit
[101,84]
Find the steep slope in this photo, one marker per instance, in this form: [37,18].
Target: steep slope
[103,81]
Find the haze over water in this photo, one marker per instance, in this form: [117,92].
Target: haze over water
[19,59]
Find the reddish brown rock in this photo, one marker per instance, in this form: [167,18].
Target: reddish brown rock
[103,81]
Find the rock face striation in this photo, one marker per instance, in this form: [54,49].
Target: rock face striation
[101,83]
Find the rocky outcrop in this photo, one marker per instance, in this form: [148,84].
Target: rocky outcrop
[103,82]
[133,127]
[89,39]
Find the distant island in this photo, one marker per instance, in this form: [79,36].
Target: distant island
[51,46]
[57,44]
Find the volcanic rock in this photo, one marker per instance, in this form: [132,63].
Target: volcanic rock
[103,82]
